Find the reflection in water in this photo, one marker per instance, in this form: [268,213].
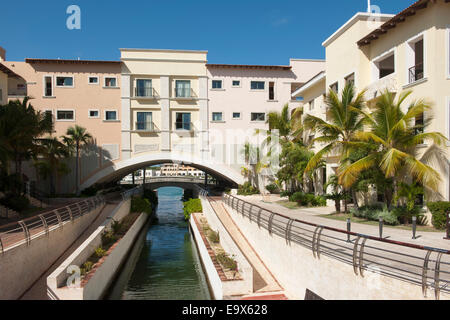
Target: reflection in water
[165,264]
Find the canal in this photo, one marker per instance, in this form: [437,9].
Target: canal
[164,262]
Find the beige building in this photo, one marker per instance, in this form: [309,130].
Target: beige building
[407,51]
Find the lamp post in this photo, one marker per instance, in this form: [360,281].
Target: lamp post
[348,229]
[414,224]
[381,226]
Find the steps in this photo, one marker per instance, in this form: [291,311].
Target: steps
[8,213]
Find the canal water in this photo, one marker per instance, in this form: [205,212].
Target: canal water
[164,263]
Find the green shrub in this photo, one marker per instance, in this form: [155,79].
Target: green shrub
[108,238]
[139,205]
[247,189]
[308,199]
[86,267]
[227,261]
[272,188]
[286,193]
[191,206]
[374,212]
[152,196]
[16,203]
[405,214]
[100,252]
[439,211]
[213,236]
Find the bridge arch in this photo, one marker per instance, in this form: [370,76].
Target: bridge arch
[124,167]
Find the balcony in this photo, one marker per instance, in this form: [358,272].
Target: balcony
[184,126]
[148,127]
[185,94]
[145,93]
[416,73]
[375,89]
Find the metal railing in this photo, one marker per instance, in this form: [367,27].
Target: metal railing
[142,92]
[24,231]
[185,93]
[146,127]
[427,267]
[416,73]
[179,125]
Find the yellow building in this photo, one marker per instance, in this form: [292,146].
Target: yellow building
[407,51]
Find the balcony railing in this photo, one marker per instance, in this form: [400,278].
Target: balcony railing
[185,93]
[187,126]
[416,73]
[141,92]
[146,127]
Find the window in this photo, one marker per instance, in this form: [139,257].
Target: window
[258,116]
[183,88]
[236,83]
[311,105]
[217,84]
[65,115]
[335,87]
[257,85]
[110,82]
[271,91]
[217,116]
[110,115]
[94,114]
[93,80]
[144,121]
[350,79]
[236,115]
[415,59]
[183,121]
[384,66]
[48,86]
[144,88]
[64,81]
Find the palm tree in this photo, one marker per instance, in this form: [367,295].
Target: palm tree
[336,193]
[253,163]
[77,137]
[51,164]
[21,127]
[345,120]
[397,137]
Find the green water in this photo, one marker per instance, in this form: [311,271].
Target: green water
[164,263]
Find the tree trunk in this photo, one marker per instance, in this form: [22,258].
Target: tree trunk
[337,204]
[355,200]
[345,202]
[77,188]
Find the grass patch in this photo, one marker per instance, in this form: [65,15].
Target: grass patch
[343,217]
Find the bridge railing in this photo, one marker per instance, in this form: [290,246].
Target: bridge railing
[427,267]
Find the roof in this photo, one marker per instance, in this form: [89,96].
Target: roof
[8,71]
[314,80]
[245,66]
[62,61]
[358,16]
[163,50]
[392,23]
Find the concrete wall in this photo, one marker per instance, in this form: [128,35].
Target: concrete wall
[104,275]
[215,284]
[297,270]
[230,288]
[22,265]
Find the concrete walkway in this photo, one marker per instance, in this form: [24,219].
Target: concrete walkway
[39,289]
[264,281]
[432,239]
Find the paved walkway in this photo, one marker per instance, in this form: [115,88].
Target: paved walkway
[39,289]
[264,281]
[432,239]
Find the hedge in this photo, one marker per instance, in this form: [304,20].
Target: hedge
[439,211]
[191,206]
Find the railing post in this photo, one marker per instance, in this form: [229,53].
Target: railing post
[437,270]
[355,253]
[424,273]
[414,225]
[380,226]
[25,231]
[44,223]
[70,213]
[58,216]
[349,228]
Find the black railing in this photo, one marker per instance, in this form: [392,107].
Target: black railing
[185,93]
[146,126]
[179,125]
[144,92]
[416,73]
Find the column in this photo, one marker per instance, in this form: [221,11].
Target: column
[165,113]
[126,116]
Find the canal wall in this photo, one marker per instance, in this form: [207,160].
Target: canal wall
[22,265]
[101,279]
[299,272]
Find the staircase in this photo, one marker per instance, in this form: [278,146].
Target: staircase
[8,213]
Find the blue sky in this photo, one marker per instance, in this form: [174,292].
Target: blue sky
[233,31]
